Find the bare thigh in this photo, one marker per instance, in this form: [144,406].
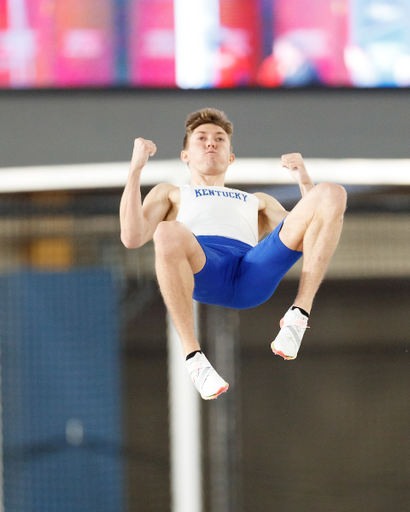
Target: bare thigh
[323,201]
[298,219]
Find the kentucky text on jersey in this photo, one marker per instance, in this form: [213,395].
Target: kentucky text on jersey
[207,192]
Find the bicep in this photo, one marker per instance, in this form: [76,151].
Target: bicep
[271,213]
[155,208]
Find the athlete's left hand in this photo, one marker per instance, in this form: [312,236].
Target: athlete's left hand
[293,162]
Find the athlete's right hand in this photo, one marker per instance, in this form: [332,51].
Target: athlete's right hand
[143,149]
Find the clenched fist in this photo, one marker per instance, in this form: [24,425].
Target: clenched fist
[143,149]
[295,165]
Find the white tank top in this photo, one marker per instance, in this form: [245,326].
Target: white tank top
[220,211]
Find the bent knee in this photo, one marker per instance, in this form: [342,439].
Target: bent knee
[166,233]
[334,195]
[171,236]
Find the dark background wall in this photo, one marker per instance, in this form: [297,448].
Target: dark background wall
[62,127]
[326,432]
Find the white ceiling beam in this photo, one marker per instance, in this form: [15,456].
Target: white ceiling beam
[246,171]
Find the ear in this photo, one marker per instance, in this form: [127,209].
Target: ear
[185,157]
[231,158]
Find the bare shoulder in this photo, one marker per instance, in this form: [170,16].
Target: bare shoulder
[162,202]
[162,192]
[268,202]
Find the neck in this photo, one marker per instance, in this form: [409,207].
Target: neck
[208,181]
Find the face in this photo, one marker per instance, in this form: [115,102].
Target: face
[209,150]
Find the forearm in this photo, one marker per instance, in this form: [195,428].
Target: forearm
[305,185]
[131,214]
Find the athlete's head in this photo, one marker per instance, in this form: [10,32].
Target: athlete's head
[207,116]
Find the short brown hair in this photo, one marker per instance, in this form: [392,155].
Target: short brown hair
[205,116]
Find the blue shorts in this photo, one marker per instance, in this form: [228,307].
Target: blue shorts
[239,276]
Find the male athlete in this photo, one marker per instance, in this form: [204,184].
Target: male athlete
[210,241]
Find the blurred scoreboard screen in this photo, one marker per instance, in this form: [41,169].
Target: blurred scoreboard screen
[204,43]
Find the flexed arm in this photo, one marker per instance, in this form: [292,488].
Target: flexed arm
[139,221]
[271,212]
[296,167]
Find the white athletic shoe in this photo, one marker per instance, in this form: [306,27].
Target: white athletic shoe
[287,342]
[209,384]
